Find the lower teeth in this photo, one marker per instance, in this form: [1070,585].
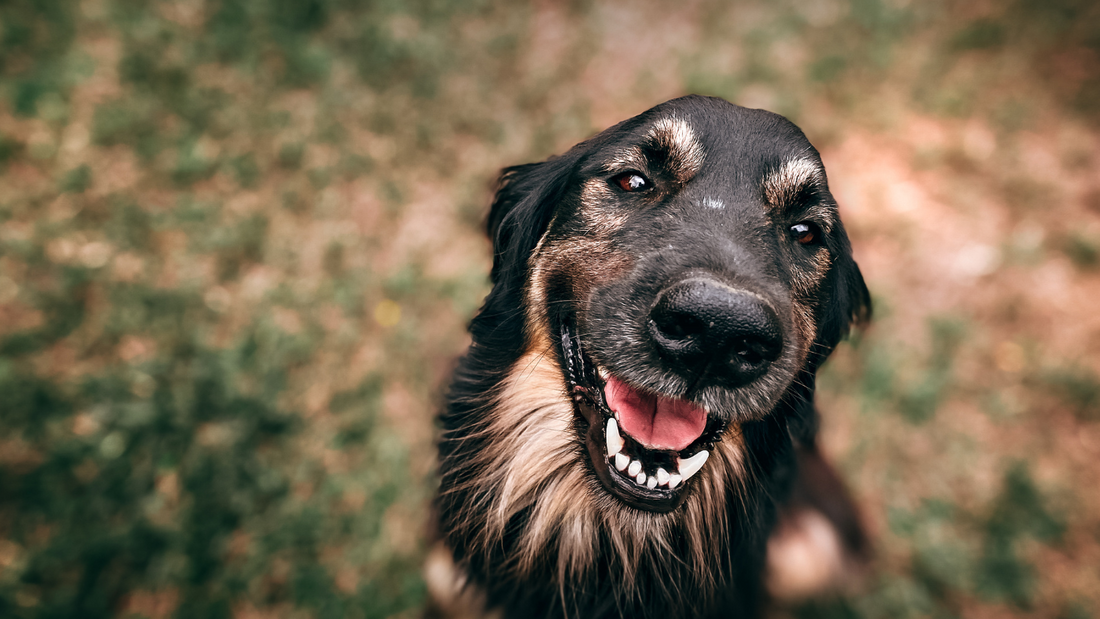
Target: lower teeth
[622,461]
[685,467]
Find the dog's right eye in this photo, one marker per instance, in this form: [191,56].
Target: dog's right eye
[630,181]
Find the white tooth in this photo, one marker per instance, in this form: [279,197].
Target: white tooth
[602,371]
[692,465]
[640,479]
[651,483]
[674,480]
[614,440]
[621,461]
[634,468]
[662,476]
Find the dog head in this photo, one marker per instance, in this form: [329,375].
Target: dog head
[689,266]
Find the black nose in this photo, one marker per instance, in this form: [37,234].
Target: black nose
[700,325]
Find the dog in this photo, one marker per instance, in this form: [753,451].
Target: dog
[634,417]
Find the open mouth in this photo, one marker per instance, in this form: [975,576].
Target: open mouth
[644,447]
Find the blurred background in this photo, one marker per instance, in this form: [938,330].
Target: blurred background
[240,240]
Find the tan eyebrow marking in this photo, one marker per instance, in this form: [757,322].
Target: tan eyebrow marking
[627,159]
[781,187]
[676,137]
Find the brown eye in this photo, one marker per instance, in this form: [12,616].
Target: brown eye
[631,181]
[806,233]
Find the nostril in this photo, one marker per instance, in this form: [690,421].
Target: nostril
[754,352]
[749,355]
[677,325]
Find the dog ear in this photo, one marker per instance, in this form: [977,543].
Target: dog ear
[521,212]
[855,303]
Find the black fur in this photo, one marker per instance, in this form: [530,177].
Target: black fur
[544,200]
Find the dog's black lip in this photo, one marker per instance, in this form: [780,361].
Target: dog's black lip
[586,389]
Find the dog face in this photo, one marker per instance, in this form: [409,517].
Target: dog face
[663,295]
[693,263]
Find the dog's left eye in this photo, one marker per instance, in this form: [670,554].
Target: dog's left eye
[806,233]
[631,181]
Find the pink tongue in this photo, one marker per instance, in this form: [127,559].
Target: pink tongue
[655,421]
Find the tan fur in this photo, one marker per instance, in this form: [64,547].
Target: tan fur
[588,260]
[806,325]
[601,220]
[449,589]
[783,186]
[630,158]
[676,136]
[805,556]
[805,286]
[535,290]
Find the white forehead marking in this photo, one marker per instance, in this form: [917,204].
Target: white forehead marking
[713,203]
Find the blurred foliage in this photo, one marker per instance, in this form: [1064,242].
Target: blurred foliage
[958,555]
[239,240]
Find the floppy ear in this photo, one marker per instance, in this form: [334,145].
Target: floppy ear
[855,300]
[521,212]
